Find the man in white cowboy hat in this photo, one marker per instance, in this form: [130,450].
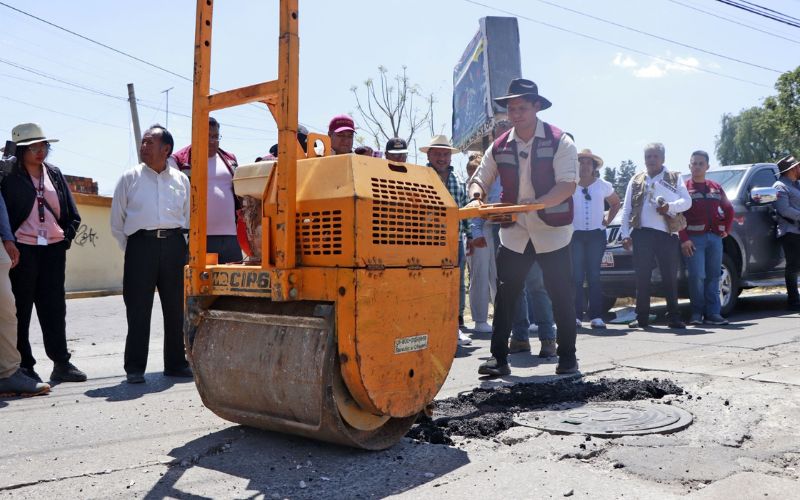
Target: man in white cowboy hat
[589,236]
[440,153]
[536,163]
[788,207]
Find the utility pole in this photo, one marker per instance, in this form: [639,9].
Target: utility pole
[167,92]
[137,132]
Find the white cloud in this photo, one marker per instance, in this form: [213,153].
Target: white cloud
[624,61]
[656,68]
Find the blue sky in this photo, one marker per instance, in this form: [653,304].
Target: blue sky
[613,99]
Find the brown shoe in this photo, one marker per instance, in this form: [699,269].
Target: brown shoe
[518,346]
[548,349]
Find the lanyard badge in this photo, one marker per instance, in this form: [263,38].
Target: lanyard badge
[41,234]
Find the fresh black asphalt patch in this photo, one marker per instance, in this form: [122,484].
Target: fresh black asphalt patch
[485,413]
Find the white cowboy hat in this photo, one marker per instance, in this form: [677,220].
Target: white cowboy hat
[25,134]
[587,153]
[441,142]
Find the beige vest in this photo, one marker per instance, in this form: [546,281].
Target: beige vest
[674,224]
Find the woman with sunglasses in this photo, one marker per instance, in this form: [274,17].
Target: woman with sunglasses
[589,236]
[44,220]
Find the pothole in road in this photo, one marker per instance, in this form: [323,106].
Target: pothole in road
[485,413]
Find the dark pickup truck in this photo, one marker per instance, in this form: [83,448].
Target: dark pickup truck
[751,255]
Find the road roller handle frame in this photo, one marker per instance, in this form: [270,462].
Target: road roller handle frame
[351,342]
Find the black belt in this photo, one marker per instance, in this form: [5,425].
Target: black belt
[159,233]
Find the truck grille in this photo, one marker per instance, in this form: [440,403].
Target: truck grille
[407,213]
[612,235]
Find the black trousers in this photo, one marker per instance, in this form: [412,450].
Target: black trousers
[154,264]
[651,246]
[38,280]
[512,268]
[791,251]
[226,247]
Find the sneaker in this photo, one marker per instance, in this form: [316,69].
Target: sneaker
[533,328]
[716,319]
[676,324]
[67,372]
[135,378]
[30,373]
[548,349]
[185,372]
[696,319]
[518,346]
[492,368]
[463,338]
[566,367]
[19,384]
[578,323]
[482,327]
[638,324]
[598,324]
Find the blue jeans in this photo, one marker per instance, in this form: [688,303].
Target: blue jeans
[462,289]
[587,254]
[533,307]
[704,268]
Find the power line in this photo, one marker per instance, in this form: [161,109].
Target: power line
[664,39]
[761,13]
[734,21]
[62,113]
[617,45]
[125,54]
[786,16]
[90,40]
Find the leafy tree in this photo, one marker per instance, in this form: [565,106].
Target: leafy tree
[620,176]
[766,132]
[392,106]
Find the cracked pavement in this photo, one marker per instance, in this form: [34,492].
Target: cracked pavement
[107,439]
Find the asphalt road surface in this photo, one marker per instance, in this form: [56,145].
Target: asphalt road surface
[107,439]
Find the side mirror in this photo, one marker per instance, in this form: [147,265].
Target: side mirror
[763,195]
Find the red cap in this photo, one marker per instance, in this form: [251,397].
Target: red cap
[341,123]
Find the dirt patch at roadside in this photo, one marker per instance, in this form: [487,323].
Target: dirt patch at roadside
[484,413]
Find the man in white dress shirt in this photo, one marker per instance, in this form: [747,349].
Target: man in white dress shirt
[149,215]
[651,219]
[536,163]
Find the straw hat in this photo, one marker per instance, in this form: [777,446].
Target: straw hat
[25,134]
[441,142]
[587,153]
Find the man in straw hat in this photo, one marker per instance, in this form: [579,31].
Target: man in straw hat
[788,207]
[536,163]
[440,153]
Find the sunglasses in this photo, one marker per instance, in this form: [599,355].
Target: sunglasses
[586,194]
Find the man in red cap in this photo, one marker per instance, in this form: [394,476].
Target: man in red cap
[341,130]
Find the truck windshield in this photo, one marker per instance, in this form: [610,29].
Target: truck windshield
[728,179]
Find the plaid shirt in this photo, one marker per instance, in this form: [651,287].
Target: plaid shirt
[459,194]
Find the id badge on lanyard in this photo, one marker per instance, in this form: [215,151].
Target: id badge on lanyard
[41,234]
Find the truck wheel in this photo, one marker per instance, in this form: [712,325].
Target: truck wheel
[728,285]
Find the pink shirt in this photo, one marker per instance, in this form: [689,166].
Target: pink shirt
[221,203]
[28,231]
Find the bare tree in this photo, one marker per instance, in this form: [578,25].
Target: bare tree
[390,107]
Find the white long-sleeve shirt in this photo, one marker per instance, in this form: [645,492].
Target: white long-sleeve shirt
[145,199]
[529,227]
[655,186]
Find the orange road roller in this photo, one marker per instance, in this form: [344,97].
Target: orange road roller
[342,325]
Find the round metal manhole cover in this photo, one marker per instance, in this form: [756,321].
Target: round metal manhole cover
[608,419]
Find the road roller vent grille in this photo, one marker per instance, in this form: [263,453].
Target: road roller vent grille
[319,233]
[407,213]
